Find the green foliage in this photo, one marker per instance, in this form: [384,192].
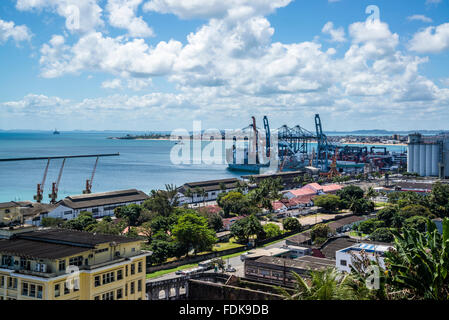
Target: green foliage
[439,199]
[267,191]
[416,222]
[328,202]
[291,224]
[234,202]
[327,284]
[361,206]
[320,231]
[387,214]
[192,232]
[415,210]
[81,222]
[130,213]
[214,219]
[52,222]
[382,235]
[107,226]
[419,264]
[272,230]
[368,226]
[162,201]
[350,193]
[245,228]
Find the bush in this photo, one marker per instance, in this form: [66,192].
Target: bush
[417,222]
[291,224]
[328,202]
[272,230]
[382,235]
[368,226]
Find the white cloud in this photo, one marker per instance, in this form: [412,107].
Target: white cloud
[112,55]
[81,15]
[122,14]
[207,9]
[337,35]
[8,30]
[431,39]
[134,84]
[420,17]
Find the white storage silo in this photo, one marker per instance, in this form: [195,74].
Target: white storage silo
[422,160]
[410,159]
[416,158]
[435,159]
[428,160]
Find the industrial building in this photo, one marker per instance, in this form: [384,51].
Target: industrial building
[428,155]
[100,204]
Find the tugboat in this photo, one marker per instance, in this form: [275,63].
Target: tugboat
[56,132]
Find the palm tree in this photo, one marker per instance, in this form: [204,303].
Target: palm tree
[326,284]
[419,265]
[371,193]
[188,193]
[203,194]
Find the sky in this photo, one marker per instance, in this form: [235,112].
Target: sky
[152,65]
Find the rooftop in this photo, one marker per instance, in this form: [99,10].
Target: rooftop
[56,243]
[305,262]
[104,198]
[330,247]
[211,185]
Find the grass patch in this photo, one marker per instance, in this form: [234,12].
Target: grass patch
[225,246]
[163,272]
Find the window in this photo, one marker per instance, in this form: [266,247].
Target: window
[126,270]
[7,211]
[39,292]
[68,212]
[108,295]
[32,290]
[95,210]
[126,289]
[61,265]
[57,290]
[343,262]
[12,283]
[119,274]
[139,267]
[139,286]
[101,250]
[132,288]
[97,281]
[66,288]
[76,261]
[108,277]
[119,293]
[133,269]
[24,289]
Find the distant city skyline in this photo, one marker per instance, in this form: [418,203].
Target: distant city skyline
[152,65]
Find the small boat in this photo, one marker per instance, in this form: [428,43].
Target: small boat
[56,132]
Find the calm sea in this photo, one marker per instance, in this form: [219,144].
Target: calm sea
[142,164]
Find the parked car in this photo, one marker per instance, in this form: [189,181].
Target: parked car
[230,268]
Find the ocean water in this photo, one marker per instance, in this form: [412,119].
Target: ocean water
[142,164]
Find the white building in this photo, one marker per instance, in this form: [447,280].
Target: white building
[344,257]
[212,189]
[100,204]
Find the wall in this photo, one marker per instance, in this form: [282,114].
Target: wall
[202,290]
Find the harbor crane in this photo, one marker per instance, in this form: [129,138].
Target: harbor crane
[55,185]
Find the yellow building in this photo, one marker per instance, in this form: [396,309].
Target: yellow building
[10,213]
[59,264]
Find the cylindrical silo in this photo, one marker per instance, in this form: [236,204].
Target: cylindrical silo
[435,159]
[422,160]
[410,153]
[416,158]
[428,160]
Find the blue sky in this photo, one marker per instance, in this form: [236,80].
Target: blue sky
[160,64]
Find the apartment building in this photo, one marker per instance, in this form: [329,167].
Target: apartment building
[60,264]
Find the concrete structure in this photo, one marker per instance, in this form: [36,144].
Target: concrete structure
[428,155]
[38,265]
[212,189]
[345,257]
[100,204]
[275,270]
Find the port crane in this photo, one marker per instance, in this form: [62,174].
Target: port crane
[55,185]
